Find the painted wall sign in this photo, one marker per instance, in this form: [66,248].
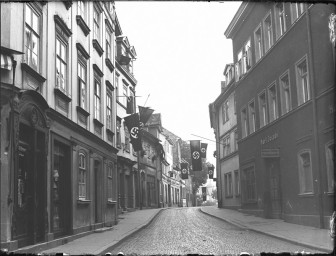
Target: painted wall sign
[269,138]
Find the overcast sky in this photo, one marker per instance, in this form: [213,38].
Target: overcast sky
[181,54]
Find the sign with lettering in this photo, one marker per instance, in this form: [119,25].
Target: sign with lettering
[270,152]
[269,138]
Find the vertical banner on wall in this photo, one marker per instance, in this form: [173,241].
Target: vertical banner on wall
[204,195]
[196,160]
[211,171]
[184,170]
[203,149]
[132,123]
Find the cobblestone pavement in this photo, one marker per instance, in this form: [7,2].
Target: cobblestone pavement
[187,230]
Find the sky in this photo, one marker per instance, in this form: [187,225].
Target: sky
[181,55]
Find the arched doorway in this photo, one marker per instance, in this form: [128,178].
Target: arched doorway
[31,129]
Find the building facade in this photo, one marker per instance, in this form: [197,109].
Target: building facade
[58,120]
[125,84]
[223,117]
[284,75]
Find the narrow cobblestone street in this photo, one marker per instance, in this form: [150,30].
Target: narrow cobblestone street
[187,230]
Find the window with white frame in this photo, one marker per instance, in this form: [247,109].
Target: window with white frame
[297,9]
[108,108]
[305,172]
[285,94]
[226,146]
[244,122]
[97,99]
[303,88]
[82,176]
[225,111]
[239,64]
[96,24]
[108,50]
[235,140]
[237,183]
[81,9]
[247,57]
[252,117]
[118,126]
[272,102]
[262,109]
[82,89]
[125,95]
[280,19]
[61,65]
[228,184]
[330,158]
[258,43]
[268,32]
[110,182]
[32,37]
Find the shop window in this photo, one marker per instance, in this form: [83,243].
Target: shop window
[237,183]
[82,176]
[305,172]
[110,188]
[330,158]
[250,192]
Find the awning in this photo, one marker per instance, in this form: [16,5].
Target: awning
[6,62]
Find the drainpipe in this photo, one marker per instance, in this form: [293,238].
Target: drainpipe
[315,122]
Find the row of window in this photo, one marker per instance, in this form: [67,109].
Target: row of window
[263,37]
[305,174]
[268,103]
[83,178]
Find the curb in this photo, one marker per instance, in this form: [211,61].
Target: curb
[268,234]
[111,246]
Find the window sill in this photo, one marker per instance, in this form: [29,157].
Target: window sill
[33,72]
[109,64]
[329,193]
[97,122]
[229,196]
[98,47]
[62,95]
[83,201]
[310,194]
[111,202]
[109,131]
[82,111]
[82,24]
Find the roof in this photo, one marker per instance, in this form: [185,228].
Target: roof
[170,136]
[232,26]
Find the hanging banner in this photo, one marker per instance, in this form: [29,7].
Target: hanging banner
[203,149]
[184,171]
[145,114]
[204,195]
[211,171]
[130,105]
[132,123]
[195,150]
